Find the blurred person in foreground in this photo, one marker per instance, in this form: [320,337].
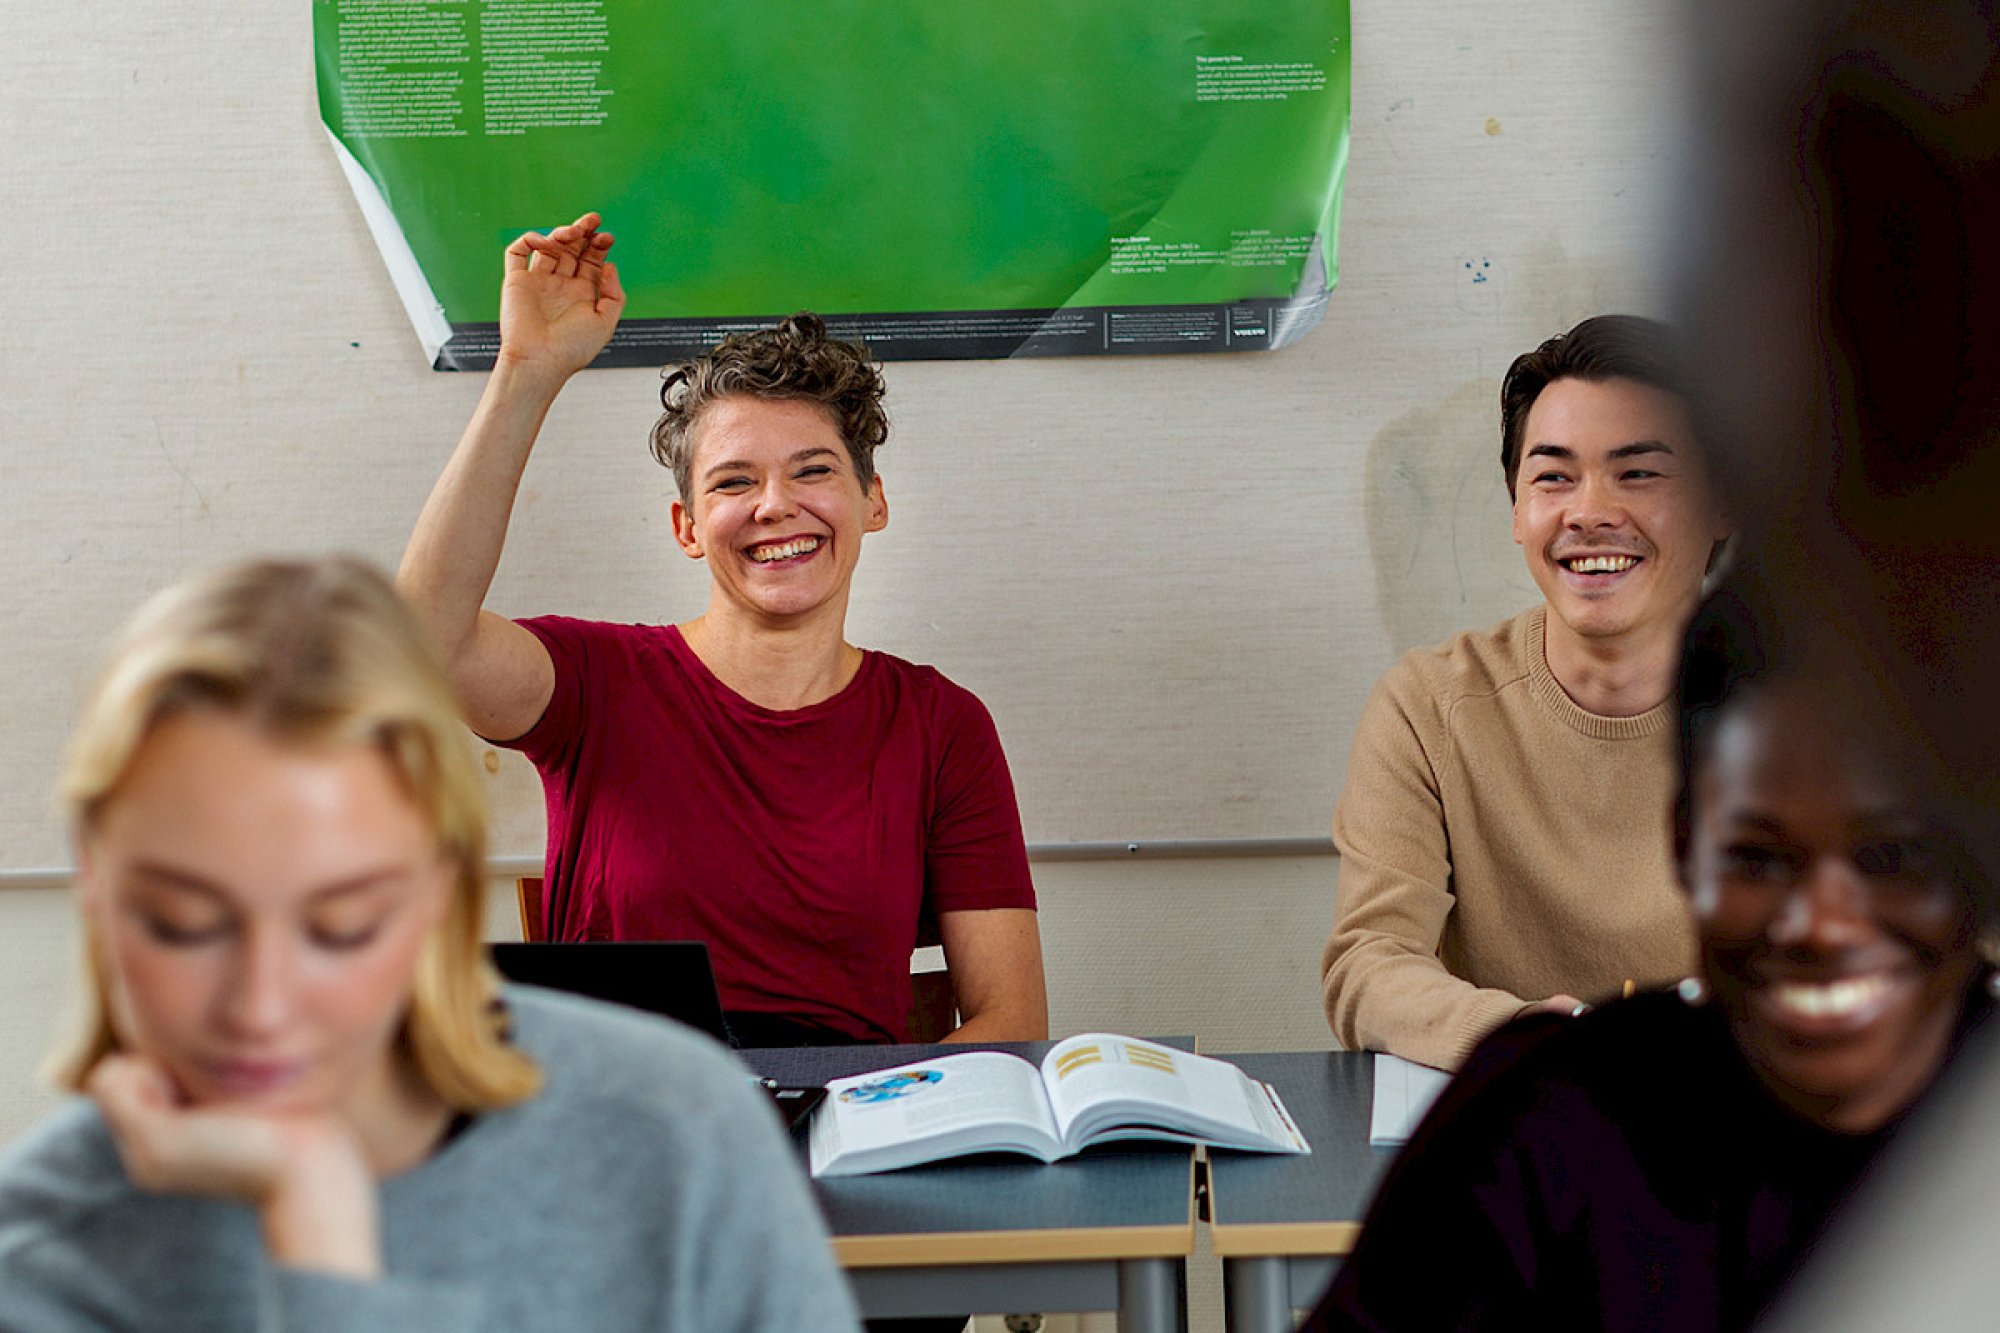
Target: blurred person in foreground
[1846,297]
[309,1103]
[1665,1162]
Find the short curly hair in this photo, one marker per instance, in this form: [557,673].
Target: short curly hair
[796,360]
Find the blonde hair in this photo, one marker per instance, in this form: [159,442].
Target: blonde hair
[316,652]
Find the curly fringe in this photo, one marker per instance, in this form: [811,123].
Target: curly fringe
[796,360]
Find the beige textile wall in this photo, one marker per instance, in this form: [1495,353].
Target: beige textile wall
[1172,579]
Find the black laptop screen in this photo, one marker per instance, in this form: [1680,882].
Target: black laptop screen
[671,977]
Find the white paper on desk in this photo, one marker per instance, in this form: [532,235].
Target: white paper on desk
[1403,1092]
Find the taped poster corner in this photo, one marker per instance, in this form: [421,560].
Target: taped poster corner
[420,303]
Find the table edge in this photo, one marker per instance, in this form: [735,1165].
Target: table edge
[1261,1240]
[938,1249]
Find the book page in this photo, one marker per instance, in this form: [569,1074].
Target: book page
[959,1103]
[1098,1079]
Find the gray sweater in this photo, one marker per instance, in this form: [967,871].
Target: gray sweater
[646,1187]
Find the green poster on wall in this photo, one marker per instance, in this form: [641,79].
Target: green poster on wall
[971,178]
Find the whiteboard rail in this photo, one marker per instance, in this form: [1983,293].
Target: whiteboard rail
[1147,849]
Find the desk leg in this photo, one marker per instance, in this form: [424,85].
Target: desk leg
[1257,1296]
[1149,1296]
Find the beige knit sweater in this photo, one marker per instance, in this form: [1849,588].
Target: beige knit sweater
[1498,845]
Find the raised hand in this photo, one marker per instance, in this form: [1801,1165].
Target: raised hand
[560,298]
[306,1176]
[558,305]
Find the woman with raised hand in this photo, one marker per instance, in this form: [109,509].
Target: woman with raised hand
[310,1105]
[748,778]
[1666,1161]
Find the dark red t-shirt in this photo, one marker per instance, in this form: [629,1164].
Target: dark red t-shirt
[800,845]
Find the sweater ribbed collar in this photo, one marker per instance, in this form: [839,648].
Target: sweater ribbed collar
[1549,691]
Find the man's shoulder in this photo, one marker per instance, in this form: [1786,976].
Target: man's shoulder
[1475,664]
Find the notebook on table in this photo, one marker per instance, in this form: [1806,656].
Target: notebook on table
[672,978]
[1403,1095]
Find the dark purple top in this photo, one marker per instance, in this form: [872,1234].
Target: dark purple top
[1622,1170]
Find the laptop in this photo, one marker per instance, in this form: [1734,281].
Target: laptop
[672,978]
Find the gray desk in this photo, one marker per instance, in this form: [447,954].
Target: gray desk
[1111,1230]
[1280,1224]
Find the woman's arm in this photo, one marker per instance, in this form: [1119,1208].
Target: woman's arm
[995,959]
[559,302]
[306,1177]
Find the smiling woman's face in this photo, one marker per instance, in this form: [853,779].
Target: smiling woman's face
[778,510]
[1832,936]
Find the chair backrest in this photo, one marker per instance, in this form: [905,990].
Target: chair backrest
[933,1006]
[933,998]
[534,924]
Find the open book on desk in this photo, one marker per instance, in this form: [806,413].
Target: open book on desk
[1096,1088]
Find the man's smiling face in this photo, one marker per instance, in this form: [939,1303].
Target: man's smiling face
[1612,508]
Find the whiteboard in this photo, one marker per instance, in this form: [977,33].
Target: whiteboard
[1173,580]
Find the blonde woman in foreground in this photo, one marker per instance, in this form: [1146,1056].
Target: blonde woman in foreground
[308,1103]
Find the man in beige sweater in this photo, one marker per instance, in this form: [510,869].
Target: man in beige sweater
[1503,833]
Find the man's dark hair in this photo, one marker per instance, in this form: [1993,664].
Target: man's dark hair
[795,360]
[1604,347]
